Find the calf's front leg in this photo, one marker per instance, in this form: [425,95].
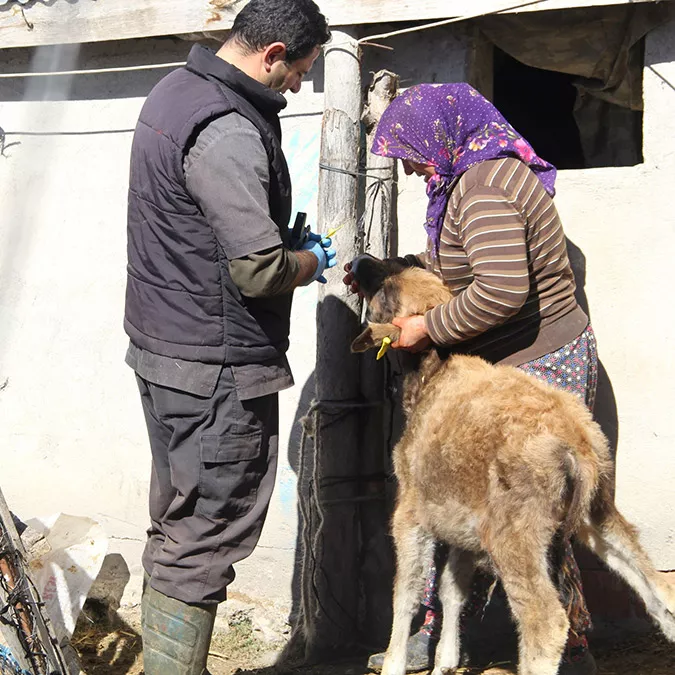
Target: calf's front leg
[454,587]
[414,555]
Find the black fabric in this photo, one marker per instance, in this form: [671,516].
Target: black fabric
[214,463]
[181,301]
[603,49]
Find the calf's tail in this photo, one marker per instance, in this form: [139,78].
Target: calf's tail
[581,479]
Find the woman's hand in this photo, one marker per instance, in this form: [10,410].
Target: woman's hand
[349,280]
[414,337]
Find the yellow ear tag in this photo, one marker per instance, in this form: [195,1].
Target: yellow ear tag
[383,349]
[332,231]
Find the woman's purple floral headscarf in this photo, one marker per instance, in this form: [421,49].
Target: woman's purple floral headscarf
[452,127]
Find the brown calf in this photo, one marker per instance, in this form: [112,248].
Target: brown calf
[497,465]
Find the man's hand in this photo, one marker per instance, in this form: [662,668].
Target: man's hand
[414,337]
[322,250]
[350,280]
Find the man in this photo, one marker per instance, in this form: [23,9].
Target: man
[210,278]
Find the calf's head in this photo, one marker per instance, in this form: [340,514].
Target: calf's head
[393,290]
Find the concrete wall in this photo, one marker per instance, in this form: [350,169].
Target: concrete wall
[623,221]
[72,437]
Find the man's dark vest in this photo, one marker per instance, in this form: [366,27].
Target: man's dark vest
[180,300]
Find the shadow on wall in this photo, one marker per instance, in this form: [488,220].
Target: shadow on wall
[376,556]
[605,411]
[302,462]
[608,598]
[367,480]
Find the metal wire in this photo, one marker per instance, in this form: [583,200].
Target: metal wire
[445,22]
[94,71]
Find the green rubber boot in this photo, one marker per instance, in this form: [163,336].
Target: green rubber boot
[144,603]
[176,636]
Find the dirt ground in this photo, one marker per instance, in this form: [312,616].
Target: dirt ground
[111,645]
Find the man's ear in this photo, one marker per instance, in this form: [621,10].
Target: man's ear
[274,52]
[373,336]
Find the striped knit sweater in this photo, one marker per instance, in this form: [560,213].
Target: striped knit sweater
[503,254]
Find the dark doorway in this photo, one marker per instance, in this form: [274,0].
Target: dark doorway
[540,104]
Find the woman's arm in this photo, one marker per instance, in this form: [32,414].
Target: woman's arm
[492,232]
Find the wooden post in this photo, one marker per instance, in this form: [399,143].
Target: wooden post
[377,568]
[379,183]
[331,586]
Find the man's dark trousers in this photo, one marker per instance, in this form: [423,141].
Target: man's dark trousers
[214,463]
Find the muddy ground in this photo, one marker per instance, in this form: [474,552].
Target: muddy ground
[111,645]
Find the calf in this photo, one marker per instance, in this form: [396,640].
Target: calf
[499,466]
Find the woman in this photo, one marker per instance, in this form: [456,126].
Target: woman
[495,238]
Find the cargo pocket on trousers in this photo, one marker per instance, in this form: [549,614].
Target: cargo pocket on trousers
[230,471]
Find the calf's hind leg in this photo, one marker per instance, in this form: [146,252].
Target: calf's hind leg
[614,540]
[522,564]
[414,554]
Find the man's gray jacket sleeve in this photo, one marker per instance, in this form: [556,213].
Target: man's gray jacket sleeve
[227,174]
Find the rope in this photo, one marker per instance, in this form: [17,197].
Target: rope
[92,132]
[95,71]
[445,22]
[373,191]
[365,172]
[663,78]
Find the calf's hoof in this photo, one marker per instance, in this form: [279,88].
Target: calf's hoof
[419,656]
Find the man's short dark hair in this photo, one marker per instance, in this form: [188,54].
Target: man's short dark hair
[299,24]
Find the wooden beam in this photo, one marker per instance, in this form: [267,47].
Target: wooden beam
[332,614]
[100,20]
[379,182]
[377,567]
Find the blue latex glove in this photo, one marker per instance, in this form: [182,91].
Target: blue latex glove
[321,247]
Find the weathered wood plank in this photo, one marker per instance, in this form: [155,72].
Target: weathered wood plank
[332,619]
[377,568]
[99,20]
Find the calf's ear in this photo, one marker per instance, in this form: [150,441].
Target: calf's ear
[373,335]
[363,342]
